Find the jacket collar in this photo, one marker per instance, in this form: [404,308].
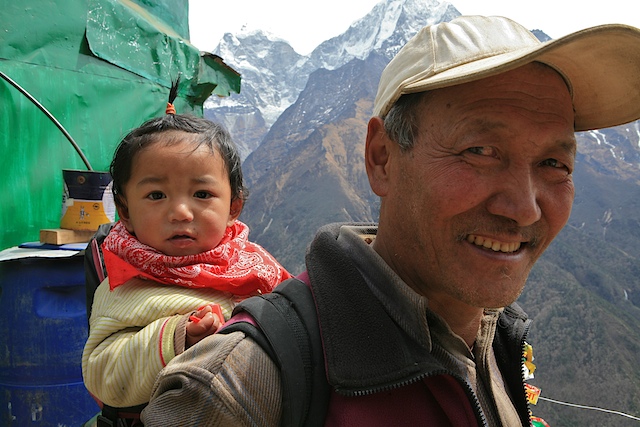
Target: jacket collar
[384,339]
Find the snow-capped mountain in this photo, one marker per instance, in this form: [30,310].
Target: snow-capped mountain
[384,30]
[273,74]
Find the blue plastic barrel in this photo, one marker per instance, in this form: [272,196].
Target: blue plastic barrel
[43,326]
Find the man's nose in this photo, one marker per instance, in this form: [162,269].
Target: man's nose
[516,198]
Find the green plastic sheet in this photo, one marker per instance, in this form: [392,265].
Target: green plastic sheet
[101,68]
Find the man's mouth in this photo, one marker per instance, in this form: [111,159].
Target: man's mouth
[494,245]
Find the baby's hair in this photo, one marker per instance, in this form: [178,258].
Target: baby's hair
[163,130]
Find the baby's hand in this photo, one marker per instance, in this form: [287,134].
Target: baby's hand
[206,321]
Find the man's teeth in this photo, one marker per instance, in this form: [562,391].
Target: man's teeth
[494,245]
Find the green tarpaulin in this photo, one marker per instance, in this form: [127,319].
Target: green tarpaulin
[100,67]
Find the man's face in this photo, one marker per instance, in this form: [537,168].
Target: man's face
[469,209]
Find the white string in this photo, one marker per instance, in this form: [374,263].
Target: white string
[589,407]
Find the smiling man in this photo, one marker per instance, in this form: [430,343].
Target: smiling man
[474,198]
[471,150]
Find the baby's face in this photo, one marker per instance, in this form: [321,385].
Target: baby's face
[178,200]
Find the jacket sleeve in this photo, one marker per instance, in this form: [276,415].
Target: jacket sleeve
[224,380]
[131,336]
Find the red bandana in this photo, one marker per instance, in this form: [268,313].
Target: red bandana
[236,265]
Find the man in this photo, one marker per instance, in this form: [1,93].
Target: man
[471,150]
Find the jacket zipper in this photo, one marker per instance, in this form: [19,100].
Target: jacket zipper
[523,338]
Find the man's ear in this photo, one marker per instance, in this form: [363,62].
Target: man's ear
[377,155]
[236,209]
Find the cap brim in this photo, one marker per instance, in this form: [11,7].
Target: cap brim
[600,64]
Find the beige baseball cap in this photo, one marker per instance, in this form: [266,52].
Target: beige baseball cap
[601,65]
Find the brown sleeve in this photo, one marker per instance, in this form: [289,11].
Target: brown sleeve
[224,380]
[180,335]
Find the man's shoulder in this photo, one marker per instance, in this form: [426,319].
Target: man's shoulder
[217,353]
[225,379]
[275,321]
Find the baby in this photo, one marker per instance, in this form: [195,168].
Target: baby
[177,261]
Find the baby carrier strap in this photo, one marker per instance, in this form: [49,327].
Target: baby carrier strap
[285,325]
[95,272]
[110,416]
[94,268]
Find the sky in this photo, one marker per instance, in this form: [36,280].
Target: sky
[306,24]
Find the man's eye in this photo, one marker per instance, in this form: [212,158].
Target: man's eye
[155,195]
[554,163]
[202,195]
[482,151]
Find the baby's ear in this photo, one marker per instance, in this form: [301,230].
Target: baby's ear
[123,213]
[236,209]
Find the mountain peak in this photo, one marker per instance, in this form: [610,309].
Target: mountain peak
[384,29]
[258,33]
[274,74]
